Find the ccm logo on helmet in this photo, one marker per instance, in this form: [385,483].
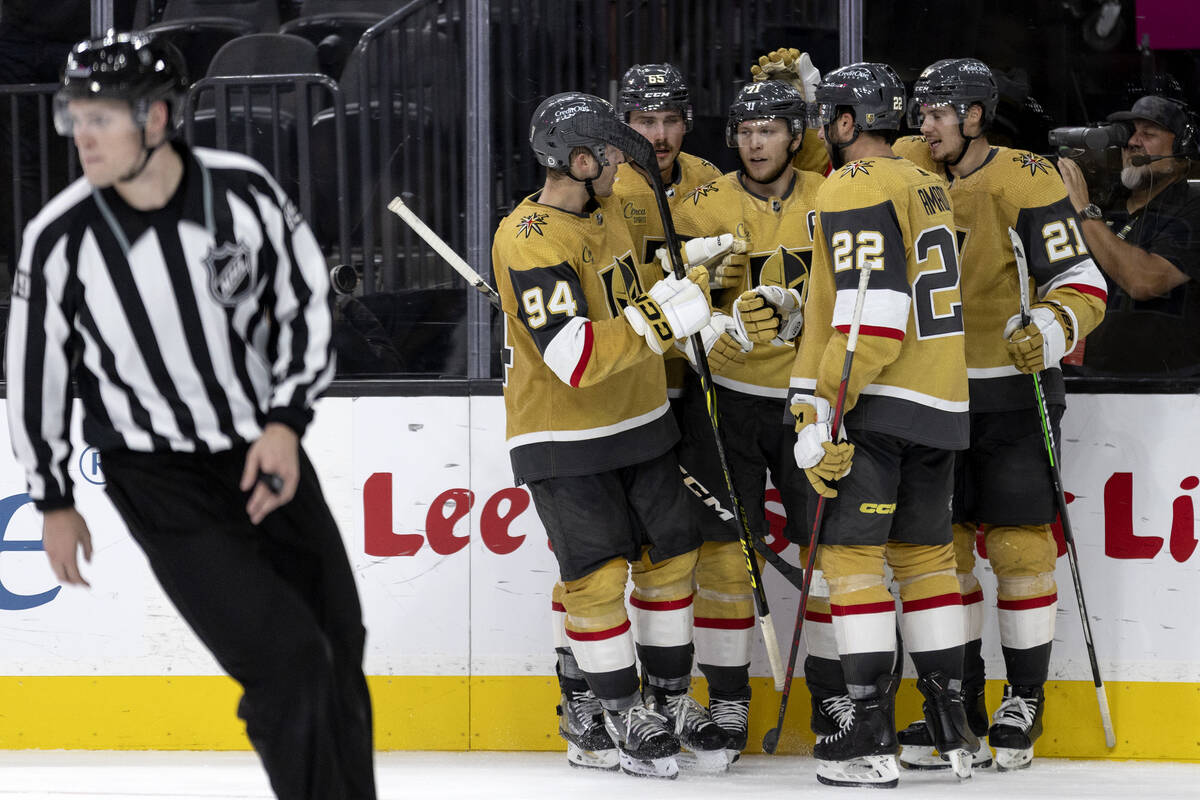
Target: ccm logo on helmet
[877,508]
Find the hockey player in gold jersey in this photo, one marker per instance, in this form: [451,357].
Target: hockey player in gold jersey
[768,206]
[590,432]
[655,101]
[1002,483]
[906,412]
[796,68]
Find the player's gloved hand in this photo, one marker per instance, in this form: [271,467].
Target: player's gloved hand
[730,272]
[789,64]
[769,314]
[723,344]
[701,251]
[672,309]
[821,459]
[1039,345]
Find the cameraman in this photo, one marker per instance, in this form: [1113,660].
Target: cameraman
[1150,249]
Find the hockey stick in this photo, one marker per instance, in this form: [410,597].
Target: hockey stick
[640,151]
[770,741]
[398,207]
[793,574]
[440,247]
[1060,498]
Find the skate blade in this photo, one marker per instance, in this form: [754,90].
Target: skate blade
[593,759]
[960,762]
[920,757]
[710,762]
[870,772]
[666,767]
[1009,759]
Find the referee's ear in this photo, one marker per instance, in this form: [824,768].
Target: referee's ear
[157,121]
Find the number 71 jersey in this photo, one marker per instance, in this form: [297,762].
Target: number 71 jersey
[909,376]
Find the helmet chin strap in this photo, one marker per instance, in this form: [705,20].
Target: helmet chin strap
[787,162]
[836,157]
[147,153]
[962,151]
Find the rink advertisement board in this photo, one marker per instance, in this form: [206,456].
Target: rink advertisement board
[455,575]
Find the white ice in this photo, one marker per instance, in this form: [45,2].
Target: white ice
[69,775]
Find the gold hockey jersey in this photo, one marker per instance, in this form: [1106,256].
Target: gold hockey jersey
[633,199]
[812,155]
[909,375]
[1020,190]
[779,236]
[583,393]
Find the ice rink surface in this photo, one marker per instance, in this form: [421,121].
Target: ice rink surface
[51,775]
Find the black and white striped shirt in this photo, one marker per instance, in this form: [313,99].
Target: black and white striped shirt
[187,329]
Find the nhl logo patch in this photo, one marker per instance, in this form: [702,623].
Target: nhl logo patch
[230,273]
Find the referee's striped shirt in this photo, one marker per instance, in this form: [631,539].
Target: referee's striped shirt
[187,329]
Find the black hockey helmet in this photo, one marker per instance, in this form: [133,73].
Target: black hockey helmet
[766,100]
[654,87]
[873,91]
[572,119]
[955,82]
[122,66]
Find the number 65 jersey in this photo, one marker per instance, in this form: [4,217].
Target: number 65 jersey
[909,376]
[582,392]
[1023,191]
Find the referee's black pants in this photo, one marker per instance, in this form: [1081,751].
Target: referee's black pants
[275,603]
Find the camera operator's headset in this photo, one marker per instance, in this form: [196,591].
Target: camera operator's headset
[1185,140]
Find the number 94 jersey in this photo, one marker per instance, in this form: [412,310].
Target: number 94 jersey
[1023,191]
[909,376]
[583,393]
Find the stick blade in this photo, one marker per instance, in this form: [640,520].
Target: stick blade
[770,742]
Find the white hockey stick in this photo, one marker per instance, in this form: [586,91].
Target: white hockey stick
[444,250]
[1110,737]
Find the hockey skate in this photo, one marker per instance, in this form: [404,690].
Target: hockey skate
[581,723]
[644,741]
[704,742]
[1016,726]
[732,713]
[916,744]
[946,721]
[863,750]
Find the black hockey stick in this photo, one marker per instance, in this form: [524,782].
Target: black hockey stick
[640,151]
[1060,499]
[770,741]
[793,574]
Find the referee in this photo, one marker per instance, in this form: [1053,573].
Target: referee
[188,300]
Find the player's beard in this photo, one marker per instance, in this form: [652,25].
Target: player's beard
[1135,178]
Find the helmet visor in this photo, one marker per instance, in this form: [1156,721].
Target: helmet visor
[821,114]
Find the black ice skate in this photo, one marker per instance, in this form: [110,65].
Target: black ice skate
[581,723]
[863,751]
[1017,725]
[732,713]
[916,745]
[946,722]
[704,741]
[644,740]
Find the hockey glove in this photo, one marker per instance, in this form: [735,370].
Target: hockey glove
[769,314]
[701,251]
[723,344]
[821,459]
[671,310]
[730,273]
[789,64]
[1048,337]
